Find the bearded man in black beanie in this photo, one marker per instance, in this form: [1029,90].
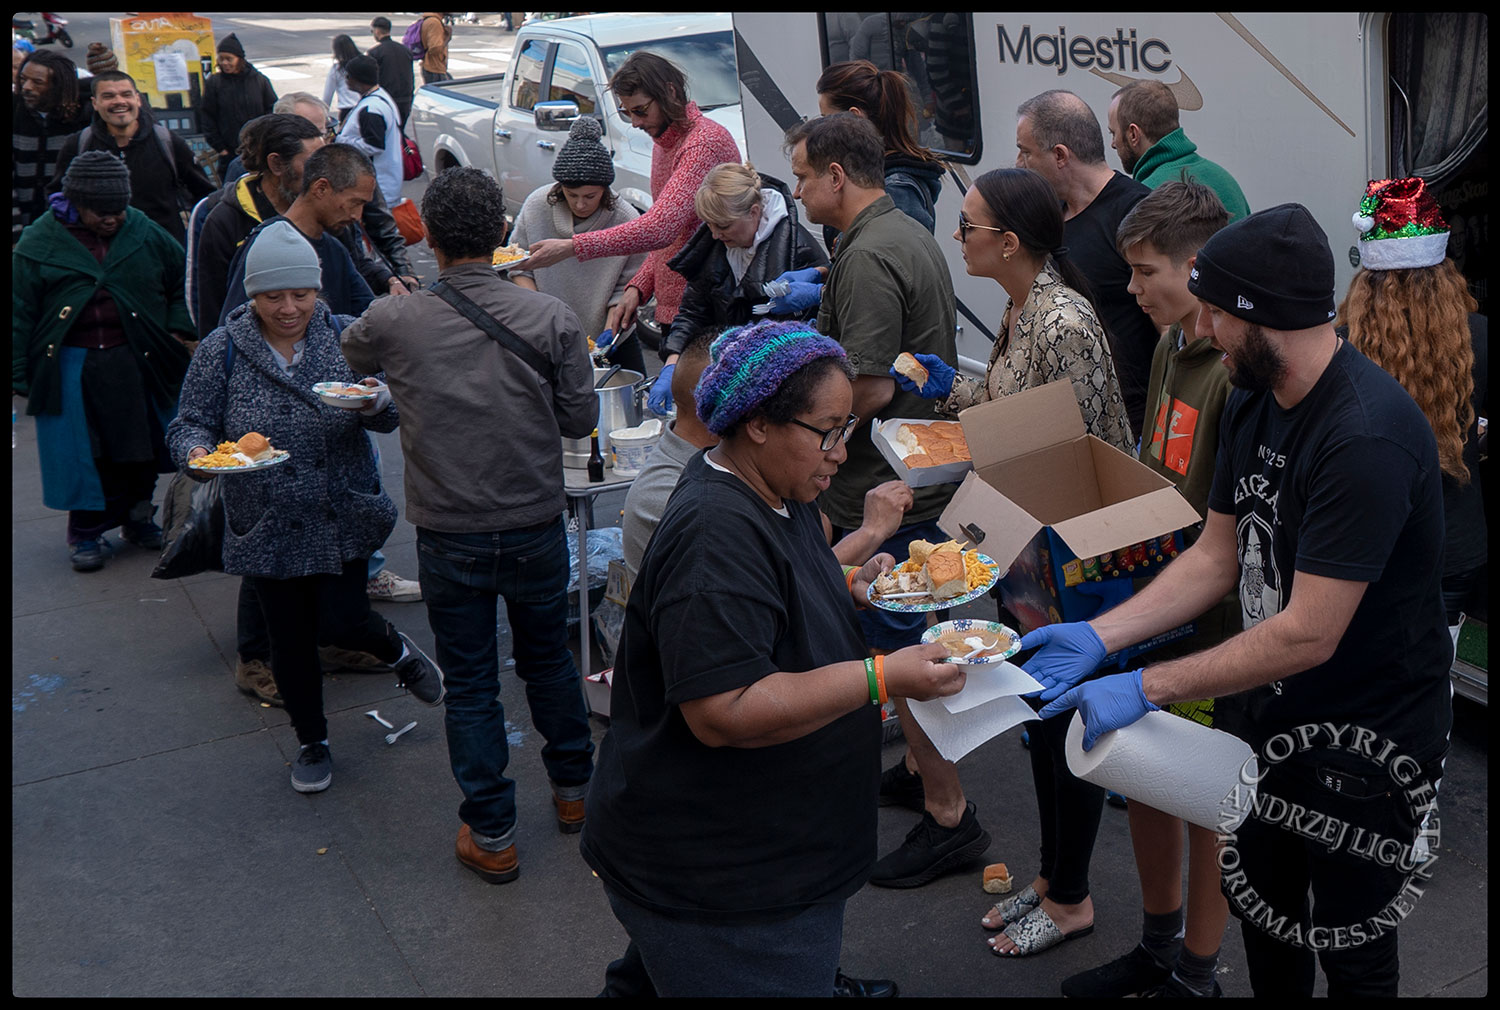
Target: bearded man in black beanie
[98,319]
[1327,512]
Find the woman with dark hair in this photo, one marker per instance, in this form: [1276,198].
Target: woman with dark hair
[1409,310]
[1011,230]
[580,200]
[732,813]
[337,82]
[913,174]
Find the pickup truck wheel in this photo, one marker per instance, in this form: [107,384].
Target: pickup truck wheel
[648,332]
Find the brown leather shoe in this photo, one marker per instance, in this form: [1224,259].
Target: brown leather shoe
[254,678]
[495,867]
[569,815]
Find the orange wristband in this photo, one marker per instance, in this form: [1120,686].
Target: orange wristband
[880,678]
[849,574]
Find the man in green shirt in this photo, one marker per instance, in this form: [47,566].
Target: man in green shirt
[887,291]
[1145,133]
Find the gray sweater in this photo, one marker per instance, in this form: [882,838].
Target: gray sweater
[647,498]
[480,430]
[322,507]
[589,289]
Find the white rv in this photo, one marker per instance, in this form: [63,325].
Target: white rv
[1301,107]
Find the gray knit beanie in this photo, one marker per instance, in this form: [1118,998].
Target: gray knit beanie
[280,259]
[583,161]
[99,181]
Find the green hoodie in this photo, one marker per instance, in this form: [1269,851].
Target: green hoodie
[1165,161]
[1184,400]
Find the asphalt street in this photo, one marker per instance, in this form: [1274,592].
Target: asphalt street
[158,849]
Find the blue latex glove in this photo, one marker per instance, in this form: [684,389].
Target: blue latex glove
[801,297]
[939,378]
[1069,653]
[660,397]
[812,275]
[603,341]
[1106,704]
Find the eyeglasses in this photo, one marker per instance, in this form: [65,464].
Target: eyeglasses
[639,112]
[964,224]
[831,436]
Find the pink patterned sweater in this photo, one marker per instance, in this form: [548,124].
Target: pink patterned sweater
[683,155]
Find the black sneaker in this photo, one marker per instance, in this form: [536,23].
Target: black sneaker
[89,555]
[1176,987]
[931,850]
[145,534]
[416,672]
[1129,975]
[312,772]
[902,788]
[868,988]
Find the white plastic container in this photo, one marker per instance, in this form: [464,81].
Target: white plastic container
[632,446]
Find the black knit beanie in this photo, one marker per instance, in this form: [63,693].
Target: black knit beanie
[1273,268]
[583,161]
[231,45]
[98,181]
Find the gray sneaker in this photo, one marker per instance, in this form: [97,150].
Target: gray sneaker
[419,674]
[312,772]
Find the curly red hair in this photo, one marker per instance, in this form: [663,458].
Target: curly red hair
[1414,323]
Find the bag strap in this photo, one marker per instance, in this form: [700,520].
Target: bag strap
[497,331]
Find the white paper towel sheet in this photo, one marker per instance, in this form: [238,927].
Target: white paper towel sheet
[986,682]
[1204,776]
[955,734]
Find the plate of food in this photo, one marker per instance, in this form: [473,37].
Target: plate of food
[252,452]
[349,395]
[973,642]
[935,577]
[508,256]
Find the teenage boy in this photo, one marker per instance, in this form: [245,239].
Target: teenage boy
[1160,239]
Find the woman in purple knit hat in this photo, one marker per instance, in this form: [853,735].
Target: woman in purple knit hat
[732,812]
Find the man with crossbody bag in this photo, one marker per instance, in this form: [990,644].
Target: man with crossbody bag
[489,377]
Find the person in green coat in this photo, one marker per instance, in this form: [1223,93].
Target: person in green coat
[1145,133]
[98,324]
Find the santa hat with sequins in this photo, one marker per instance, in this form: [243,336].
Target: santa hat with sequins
[1400,226]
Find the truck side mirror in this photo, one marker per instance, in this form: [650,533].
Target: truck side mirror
[555,116]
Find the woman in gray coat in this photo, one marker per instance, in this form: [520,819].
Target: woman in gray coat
[302,530]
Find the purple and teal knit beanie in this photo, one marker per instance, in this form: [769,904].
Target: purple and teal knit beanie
[748,364]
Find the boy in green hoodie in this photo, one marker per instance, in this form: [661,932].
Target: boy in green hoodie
[1160,239]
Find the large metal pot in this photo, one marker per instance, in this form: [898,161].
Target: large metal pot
[619,407]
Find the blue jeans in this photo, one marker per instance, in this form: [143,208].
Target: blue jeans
[462,574]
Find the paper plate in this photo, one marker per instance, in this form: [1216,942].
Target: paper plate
[281,457]
[980,628]
[925,604]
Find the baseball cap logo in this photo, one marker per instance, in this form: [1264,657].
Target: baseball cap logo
[1243,302]
[1194,274]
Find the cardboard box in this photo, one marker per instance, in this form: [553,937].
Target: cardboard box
[884,435]
[1044,493]
[176,47]
[596,690]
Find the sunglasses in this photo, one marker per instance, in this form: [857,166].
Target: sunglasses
[964,224]
[831,436]
[639,112]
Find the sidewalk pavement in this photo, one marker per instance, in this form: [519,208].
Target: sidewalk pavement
[159,850]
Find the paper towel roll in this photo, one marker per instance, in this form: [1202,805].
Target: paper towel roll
[1205,776]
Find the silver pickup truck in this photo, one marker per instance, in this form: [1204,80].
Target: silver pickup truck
[513,124]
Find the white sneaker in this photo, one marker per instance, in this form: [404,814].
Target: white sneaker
[392,588]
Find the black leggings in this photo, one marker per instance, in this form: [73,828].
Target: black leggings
[304,611]
[1069,810]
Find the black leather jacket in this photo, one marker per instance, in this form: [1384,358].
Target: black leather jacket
[389,256]
[713,298]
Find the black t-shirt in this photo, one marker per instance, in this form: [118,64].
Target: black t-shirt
[1132,336]
[730,592]
[1345,485]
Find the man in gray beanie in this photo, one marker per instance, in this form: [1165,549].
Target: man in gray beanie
[1327,512]
[98,319]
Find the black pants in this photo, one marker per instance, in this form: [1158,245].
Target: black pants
[128,489]
[1069,809]
[304,611]
[1269,871]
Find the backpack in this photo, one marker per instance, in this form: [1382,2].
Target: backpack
[412,40]
[164,141]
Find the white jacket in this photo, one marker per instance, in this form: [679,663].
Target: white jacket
[387,157]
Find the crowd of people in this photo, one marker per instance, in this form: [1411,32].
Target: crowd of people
[731,809]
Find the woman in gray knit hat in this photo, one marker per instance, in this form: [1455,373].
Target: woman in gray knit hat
[303,530]
[581,200]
